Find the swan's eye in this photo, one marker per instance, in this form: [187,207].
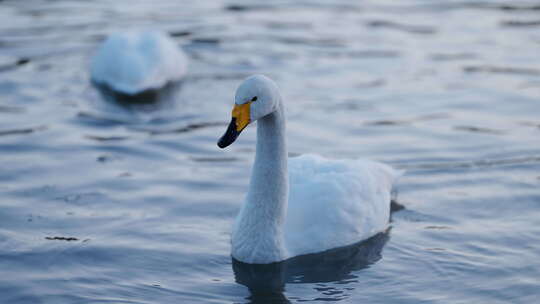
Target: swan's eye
[254,98]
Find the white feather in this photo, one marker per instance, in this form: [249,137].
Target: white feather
[133,62]
[334,203]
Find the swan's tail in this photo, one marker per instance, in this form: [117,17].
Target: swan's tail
[394,175]
[391,174]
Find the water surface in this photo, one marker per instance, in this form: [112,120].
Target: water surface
[103,205]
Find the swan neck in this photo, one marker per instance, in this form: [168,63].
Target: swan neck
[269,178]
[258,233]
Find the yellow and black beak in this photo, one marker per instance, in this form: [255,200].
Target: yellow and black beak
[240,120]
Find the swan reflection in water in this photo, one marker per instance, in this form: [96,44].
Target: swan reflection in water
[147,100]
[266,282]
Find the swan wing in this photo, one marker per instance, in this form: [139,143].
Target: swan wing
[334,203]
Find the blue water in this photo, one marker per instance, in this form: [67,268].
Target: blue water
[100,204]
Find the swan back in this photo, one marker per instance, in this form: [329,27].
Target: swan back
[334,203]
[133,62]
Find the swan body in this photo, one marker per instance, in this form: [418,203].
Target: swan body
[133,62]
[305,204]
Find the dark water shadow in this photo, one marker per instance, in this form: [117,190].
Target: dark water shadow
[106,138]
[252,7]
[13,65]
[475,164]
[146,101]
[61,238]
[153,127]
[453,56]
[360,54]
[527,71]
[93,119]
[114,108]
[217,76]
[475,129]
[22,131]
[186,128]
[516,7]
[520,23]
[406,121]
[266,282]
[467,5]
[414,29]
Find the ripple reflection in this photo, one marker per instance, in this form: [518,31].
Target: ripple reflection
[266,282]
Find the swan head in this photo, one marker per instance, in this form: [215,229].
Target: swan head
[256,97]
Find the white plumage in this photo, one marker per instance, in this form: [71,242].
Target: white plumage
[133,62]
[305,204]
[334,203]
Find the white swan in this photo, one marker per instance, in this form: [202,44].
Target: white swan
[133,62]
[331,203]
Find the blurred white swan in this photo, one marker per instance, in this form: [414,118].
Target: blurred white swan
[133,62]
[331,203]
